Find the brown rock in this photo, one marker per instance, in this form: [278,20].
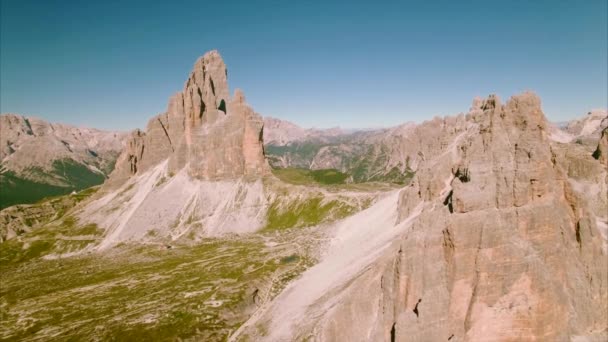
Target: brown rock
[515,255]
[214,136]
[504,248]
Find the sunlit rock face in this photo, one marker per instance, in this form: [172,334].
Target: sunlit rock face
[496,239]
[196,170]
[514,251]
[213,135]
[510,251]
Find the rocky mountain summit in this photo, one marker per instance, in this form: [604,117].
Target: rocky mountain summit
[196,169]
[495,236]
[39,159]
[204,130]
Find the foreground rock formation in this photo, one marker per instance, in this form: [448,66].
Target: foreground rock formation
[492,241]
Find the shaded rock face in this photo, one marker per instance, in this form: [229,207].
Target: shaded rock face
[505,245]
[204,130]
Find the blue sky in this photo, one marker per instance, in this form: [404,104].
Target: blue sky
[114,64]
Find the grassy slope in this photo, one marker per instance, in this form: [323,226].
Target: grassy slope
[142,292]
[18,190]
[306,212]
[300,176]
[309,177]
[15,190]
[149,292]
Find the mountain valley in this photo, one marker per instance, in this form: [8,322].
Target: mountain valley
[216,224]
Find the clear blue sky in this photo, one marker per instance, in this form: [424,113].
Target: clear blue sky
[114,64]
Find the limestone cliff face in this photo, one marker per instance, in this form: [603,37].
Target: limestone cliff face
[514,252]
[204,130]
[498,243]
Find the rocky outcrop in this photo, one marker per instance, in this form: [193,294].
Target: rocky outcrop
[196,171]
[516,252]
[493,240]
[204,130]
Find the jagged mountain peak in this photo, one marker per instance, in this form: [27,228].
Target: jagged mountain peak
[204,130]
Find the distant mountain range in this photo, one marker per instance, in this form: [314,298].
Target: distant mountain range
[40,159]
[388,155]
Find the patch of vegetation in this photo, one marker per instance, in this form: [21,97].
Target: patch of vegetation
[15,251]
[79,176]
[305,177]
[58,237]
[125,190]
[290,259]
[329,176]
[49,212]
[394,176]
[305,212]
[161,181]
[136,292]
[19,190]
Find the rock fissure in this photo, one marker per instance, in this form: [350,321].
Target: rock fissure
[166,133]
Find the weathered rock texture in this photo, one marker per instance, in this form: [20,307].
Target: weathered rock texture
[196,170]
[204,130]
[514,253]
[499,245]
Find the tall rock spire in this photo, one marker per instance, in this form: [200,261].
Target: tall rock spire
[204,130]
